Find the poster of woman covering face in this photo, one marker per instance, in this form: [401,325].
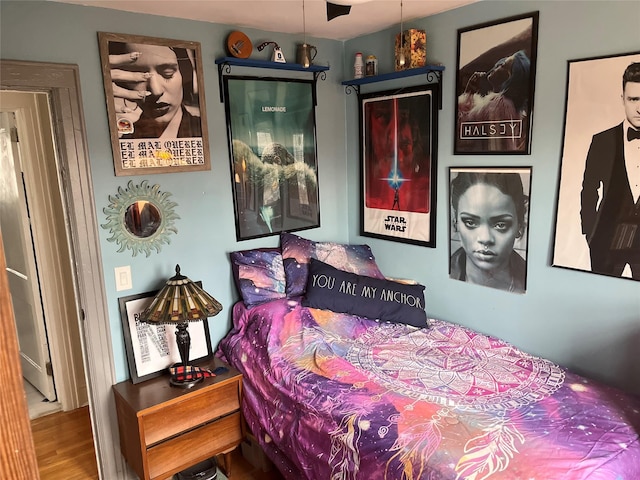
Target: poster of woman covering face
[495,80]
[398,151]
[489,210]
[155,102]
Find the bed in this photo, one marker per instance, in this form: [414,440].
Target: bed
[334,394]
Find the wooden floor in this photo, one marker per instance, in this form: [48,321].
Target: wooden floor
[64,447]
[241,469]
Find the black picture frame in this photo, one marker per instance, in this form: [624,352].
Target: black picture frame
[590,233]
[488,229]
[152,358]
[398,164]
[271,129]
[138,148]
[495,83]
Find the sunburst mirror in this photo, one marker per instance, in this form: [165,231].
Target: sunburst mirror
[140,218]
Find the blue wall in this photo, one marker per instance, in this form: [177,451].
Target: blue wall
[61,33]
[588,322]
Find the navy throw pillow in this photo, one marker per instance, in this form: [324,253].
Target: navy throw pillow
[331,289]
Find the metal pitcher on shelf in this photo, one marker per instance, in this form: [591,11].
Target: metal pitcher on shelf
[305,54]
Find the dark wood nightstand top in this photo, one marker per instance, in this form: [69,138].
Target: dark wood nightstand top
[145,395]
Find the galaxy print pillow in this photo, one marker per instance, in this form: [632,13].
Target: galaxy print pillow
[258,275]
[297,253]
[331,289]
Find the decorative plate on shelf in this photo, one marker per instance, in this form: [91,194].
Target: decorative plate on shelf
[239,45]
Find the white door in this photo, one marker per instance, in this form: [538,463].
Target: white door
[18,243]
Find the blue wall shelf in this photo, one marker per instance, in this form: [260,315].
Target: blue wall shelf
[248,62]
[225,64]
[433,73]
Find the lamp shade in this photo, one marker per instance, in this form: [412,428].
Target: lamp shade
[179,301]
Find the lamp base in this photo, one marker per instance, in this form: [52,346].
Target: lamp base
[183,379]
[174,382]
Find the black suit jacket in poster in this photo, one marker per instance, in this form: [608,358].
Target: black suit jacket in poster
[605,166]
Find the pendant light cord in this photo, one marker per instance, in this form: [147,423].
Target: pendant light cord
[401,58]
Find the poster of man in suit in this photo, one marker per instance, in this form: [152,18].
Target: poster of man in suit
[598,214]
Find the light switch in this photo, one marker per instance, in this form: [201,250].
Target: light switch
[123,278]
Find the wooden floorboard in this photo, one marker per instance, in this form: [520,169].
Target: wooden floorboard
[65,451]
[64,446]
[241,469]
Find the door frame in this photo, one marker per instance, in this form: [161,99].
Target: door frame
[62,83]
[49,237]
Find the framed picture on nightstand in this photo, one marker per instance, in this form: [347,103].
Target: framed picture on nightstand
[151,348]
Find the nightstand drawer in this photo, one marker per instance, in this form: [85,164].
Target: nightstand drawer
[200,408]
[223,434]
[164,430]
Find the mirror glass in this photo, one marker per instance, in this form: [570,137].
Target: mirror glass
[140,218]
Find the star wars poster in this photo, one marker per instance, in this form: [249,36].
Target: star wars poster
[399,131]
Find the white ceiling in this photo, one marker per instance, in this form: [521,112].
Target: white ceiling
[366,16]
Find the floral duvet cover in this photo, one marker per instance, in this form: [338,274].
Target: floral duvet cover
[336,396]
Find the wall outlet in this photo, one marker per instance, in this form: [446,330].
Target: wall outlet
[123,278]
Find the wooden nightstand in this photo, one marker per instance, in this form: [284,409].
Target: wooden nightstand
[164,429]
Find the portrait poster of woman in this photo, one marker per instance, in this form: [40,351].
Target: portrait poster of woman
[399,131]
[489,213]
[495,79]
[155,104]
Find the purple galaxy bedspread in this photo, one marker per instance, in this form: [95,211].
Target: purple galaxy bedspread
[333,396]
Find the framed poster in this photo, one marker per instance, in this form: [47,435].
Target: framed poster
[272,143]
[155,103]
[495,80]
[489,214]
[152,348]
[597,226]
[399,132]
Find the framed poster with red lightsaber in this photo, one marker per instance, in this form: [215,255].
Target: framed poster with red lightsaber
[398,164]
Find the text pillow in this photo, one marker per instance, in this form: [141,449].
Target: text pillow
[298,251]
[331,289]
[258,275]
